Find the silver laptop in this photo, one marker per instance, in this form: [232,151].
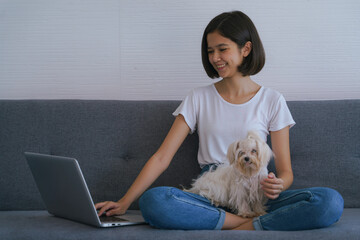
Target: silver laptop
[64,191]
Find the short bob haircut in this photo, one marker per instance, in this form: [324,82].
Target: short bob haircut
[239,28]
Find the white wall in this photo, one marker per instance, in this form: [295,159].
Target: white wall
[142,49]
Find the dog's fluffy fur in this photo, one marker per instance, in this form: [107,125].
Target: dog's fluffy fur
[236,185]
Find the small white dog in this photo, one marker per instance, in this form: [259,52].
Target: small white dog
[237,185]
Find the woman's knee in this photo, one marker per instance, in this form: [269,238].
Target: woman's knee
[156,205]
[330,205]
[153,201]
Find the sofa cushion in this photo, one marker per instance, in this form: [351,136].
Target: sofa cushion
[40,225]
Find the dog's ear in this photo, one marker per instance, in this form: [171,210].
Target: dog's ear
[264,151]
[231,152]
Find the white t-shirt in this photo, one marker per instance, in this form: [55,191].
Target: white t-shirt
[220,123]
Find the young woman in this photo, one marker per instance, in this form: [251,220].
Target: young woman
[222,113]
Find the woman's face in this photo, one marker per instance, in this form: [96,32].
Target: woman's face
[224,55]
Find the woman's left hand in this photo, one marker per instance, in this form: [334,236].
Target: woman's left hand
[272,186]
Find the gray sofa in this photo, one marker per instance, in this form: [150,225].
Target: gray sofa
[113,139]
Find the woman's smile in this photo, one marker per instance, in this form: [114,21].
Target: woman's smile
[220,67]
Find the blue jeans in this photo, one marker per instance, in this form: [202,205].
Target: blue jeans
[172,208]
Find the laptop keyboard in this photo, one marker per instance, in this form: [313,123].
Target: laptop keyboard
[112,219]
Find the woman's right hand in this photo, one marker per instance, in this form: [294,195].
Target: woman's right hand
[111,208]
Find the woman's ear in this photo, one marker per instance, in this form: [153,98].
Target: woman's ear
[246,49]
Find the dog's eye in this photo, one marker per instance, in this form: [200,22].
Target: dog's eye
[253,151]
[241,153]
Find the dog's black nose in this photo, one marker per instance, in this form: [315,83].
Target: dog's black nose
[246,159]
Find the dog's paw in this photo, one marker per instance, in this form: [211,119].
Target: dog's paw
[191,190]
[215,203]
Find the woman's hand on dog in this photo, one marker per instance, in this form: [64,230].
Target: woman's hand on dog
[110,208]
[272,186]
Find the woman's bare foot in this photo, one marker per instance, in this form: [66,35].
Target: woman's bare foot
[245,226]
[235,222]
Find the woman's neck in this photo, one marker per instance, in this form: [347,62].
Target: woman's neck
[237,90]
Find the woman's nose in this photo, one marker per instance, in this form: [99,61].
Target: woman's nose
[215,56]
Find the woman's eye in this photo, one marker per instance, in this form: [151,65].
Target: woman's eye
[210,51]
[223,49]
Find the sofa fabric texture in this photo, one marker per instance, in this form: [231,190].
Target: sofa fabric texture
[112,140]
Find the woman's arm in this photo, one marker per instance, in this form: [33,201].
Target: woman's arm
[154,167]
[274,185]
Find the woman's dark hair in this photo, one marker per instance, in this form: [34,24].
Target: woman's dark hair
[239,28]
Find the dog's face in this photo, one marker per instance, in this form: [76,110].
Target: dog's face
[249,155]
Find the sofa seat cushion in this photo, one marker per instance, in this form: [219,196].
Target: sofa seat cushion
[40,225]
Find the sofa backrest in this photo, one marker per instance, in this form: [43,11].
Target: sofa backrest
[325,146]
[112,140]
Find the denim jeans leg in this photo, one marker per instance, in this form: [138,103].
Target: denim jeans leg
[302,209]
[172,208]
